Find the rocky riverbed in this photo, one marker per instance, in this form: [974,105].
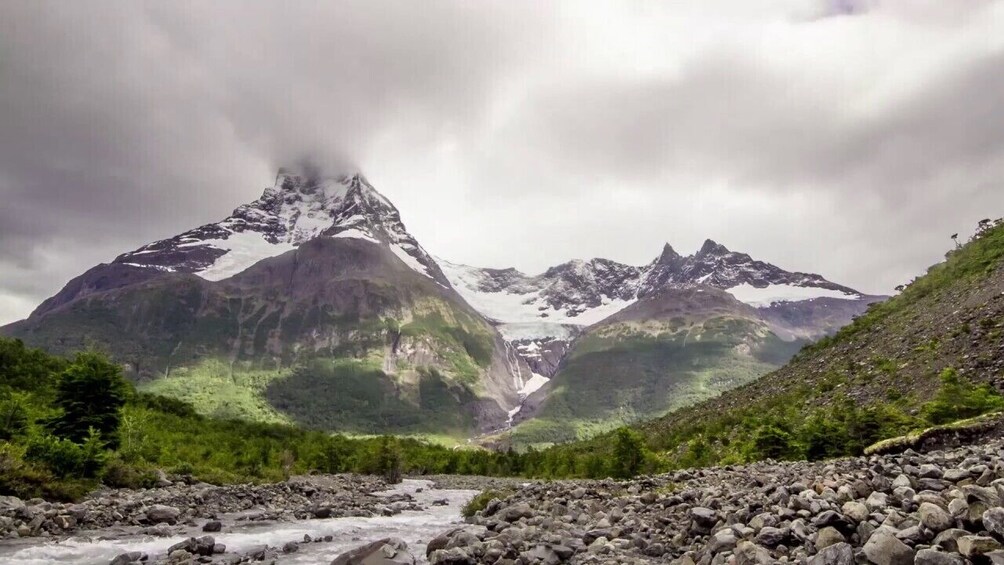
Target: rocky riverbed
[168,509]
[936,508]
[306,520]
[944,507]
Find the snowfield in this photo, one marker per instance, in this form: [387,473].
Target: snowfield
[772,294]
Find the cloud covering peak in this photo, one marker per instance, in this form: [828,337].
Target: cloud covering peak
[845,137]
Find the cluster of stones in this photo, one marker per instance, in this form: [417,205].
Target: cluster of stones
[157,509]
[205,550]
[936,508]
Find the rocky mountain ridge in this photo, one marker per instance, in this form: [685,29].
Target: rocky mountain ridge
[243,311]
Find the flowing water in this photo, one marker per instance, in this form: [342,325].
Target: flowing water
[99,547]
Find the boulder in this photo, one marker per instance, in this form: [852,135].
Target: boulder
[127,558]
[974,546]
[828,536]
[934,557]
[159,513]
[993,521]
[388,551]
[837,554]
[884,548]
[934,517]
[516,511]
[212,526]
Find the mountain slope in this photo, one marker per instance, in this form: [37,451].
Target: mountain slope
[609,343]
[312,304]
[665,351]
[934,352]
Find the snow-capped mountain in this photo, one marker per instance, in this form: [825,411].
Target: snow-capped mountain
[320,271]
[302,205]
[540,315]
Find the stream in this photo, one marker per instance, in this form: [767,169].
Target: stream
[99,547]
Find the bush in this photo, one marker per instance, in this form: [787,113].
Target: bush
[119,474]
[480,502]
[66,458]
[772,442]
[958,399]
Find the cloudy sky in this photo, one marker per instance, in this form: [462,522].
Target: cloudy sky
[845,137]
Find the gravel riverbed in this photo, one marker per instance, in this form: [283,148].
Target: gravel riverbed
[943,507]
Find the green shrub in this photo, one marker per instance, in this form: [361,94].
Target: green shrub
[772,442]
[958,399]
[119,474]
[480,502]
[66,458]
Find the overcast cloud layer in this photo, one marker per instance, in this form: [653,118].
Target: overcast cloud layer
[844,137]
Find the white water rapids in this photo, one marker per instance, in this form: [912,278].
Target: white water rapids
[99,547]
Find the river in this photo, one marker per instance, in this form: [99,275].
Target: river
[99,547]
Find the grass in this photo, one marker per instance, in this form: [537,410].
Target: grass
[221,390]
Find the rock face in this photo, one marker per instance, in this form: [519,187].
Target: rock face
[841,512]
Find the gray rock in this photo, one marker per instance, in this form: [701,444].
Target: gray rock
[127,558]
[855,511]
[160,513]
[993,521]
[828,536]
[212,526]
[751,554]
[837,554]
[722,540]
[516,511]
[771,537]
[933,557]
[704,517]
[883,548]
[973,546]
[934,517]
[949,539]
[388,551]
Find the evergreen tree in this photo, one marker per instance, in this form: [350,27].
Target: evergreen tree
[90,394]
[629,453]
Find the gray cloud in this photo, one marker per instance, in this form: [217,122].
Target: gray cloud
[847,138]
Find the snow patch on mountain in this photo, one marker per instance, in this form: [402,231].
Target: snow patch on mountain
[399,250]
[774,293]
[533,385]
[297,208]
[242,250]
[527,310]
[353,233]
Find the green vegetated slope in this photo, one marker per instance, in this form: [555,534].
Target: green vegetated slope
[931,355]
[668,352]
[339,334]
[49,406]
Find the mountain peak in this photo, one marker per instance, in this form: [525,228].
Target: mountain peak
[303,204]
[712,247]
[668,255]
